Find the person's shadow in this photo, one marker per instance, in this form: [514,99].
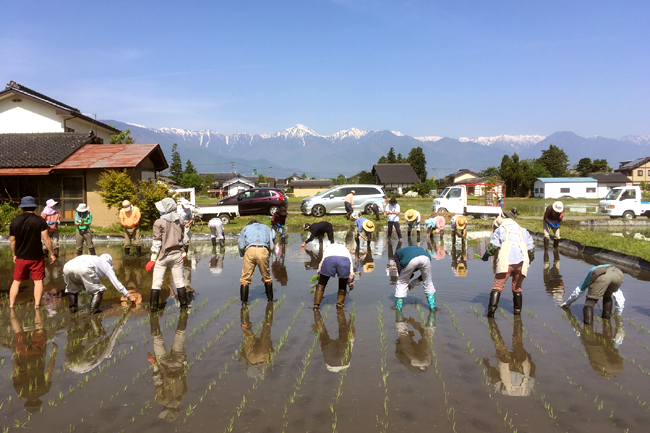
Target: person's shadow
[337,354]
[256,351]
[553,278]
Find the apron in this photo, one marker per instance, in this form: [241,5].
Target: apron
[503,260]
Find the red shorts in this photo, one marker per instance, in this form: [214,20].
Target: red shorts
[25,266]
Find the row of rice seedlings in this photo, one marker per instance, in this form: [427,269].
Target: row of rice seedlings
[306,360]
[346,358]
[383,344]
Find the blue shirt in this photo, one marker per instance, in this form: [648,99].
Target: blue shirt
[516,255]
[359,223]
[255,234]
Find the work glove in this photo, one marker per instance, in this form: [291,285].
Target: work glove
[150,265]
[351,283]
[485,257]
[184,256]
[50,223]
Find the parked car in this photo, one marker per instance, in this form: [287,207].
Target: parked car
[331,200]
[624,202]
[257,201]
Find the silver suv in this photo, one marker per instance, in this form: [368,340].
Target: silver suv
[331,200]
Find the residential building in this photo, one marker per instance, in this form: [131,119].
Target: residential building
[306,188]
[558,187]
[394,177]
[461,175]
[607,181]
[638,170]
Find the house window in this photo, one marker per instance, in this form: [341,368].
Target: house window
[68,129]
[541,190]
[536,190]
[565,190]
[591,190]
[639,173]
[68,191]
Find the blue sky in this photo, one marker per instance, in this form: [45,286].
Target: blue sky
[453,68]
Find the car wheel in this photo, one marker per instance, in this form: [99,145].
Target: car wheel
[273,210]
[484,216]
[442,209]
[368,209]
[628,215]
[318,210]
[225,218]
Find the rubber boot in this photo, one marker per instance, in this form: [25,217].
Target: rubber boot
[517,300]
[340,298]
[79,252]
[408,232]
[182,321]
[318,296]
[245,317]
[222,243]
[138,251]
[92,251]
[268,314]
[127,250]
[608,303]
[154,324]
[214,242]
[95,301]
[495,295]
[588,314]
[186,248]
[399,303]
[153,302]
[243,293]
[431,299]
[556,243]
[268,288]
[182,297]
[72,302]
[546,241]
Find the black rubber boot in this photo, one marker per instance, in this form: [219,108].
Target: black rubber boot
[546,241]
[92,251]
[72,302]
[80,252]
[495,295]
[408,233]
[608,304]
[268,288]
[222,243]
[318,296]
[243,292]
[556,243]
[182,298]
[186,248]
[127,250]
[214,242]
[154,324]
[517,300]
[588,314]
[95,301]
[138,251]
[153,302]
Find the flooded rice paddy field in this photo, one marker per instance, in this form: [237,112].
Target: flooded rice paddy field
[295,370]
[636,232]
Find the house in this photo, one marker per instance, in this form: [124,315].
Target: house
[237,184]
[66,167]
[474,187]
[461,175]
[394,177]
[607,181]
[281,184]
[638,170]
[23,110]
[225,184]
[306,188]
[557,187]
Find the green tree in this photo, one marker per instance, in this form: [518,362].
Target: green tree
[149,193]
[555,160]
[489,172]
[424,187]
[583,167]
[600,165]
[401,159]
[176,167]
[419,163]
[116,186]
[382,160]
[390,157]
[7,213]
[123,137]
[189,168]
[191,180]
[303,176]
[366,177]
[208,182]
[262,179]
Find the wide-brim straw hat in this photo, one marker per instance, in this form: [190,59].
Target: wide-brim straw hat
[368,268]
[369,226]
[83,207]
[461,222]
[410,215]
[558,207]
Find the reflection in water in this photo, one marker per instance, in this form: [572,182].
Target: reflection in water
[31,377]
[514,374]
[436,250]
[169,367]
[365,263]
[553,278]
[255,351]
[315,258]
[88,344]
[391,267]
[278,268]
[601,348]
[337,354]
[459,259]
[216,264]
[417,357]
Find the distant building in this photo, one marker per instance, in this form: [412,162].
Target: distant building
[607,181]
[306,188]
[394,177]
[237,184]
[638,170]
[558,187]
[461,175]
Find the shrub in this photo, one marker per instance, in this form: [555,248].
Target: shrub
[148,194]
[117,186]
[7,213]
[412,194]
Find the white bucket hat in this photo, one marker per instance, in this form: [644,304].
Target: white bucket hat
[83,207]
[558,207]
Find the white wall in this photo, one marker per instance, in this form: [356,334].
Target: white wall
[80,125]
[576,189]
[28,116]
[604,188]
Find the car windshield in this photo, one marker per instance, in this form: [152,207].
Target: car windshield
[443,193]
[327,191]
[613,194]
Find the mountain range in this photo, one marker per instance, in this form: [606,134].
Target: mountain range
[301,150]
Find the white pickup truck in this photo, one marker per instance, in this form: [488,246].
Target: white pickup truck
[223,212]
[625,202]
[483,204]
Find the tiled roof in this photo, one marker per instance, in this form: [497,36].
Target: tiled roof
[40,149]
[115,156]
[26,91]
[395,173]
[478,180]
[566,179]
[633,164]
[311,182]
[462,171]
[610,177]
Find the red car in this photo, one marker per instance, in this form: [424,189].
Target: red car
[258,201]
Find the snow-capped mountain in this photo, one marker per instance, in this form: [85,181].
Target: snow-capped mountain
[505,141]
[642,140]
[429,138]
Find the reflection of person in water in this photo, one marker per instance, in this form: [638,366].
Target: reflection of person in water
[31,378]
[216,264]
[334,351]
[553,278]
[169,367]
[601,347]
[278,268]
[88,344]
[417,357]
[391,268]
[602,282]
[459,261]
[256,351]
[514,374]
[314,258]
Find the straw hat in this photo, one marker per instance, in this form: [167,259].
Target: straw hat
[461,222]
[126,204]
[411,215]
[461,270]
[368,268]
[369,226]
[83,207]
[558,207]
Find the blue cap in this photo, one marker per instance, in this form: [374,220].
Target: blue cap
[28,201]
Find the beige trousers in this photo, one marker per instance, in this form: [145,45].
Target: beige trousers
[256,256]
[132,234]
[175,260]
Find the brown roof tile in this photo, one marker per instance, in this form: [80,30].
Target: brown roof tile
[40,149]
[395,174]
[115,156]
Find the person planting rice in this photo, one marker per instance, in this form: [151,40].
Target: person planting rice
[216,232]
[319,230]
[337,262]
[412,220]
[186,216]
[408,260]
[552,219]
[514,251]
[459,226]
[255,244]
[82,219]
[279,222]
[435,224]
[602,282]
[378,208]
[365,228]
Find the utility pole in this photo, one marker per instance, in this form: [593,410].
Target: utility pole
[270,171]
[233,167]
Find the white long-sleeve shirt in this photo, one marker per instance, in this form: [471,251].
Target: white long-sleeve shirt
[338,250]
